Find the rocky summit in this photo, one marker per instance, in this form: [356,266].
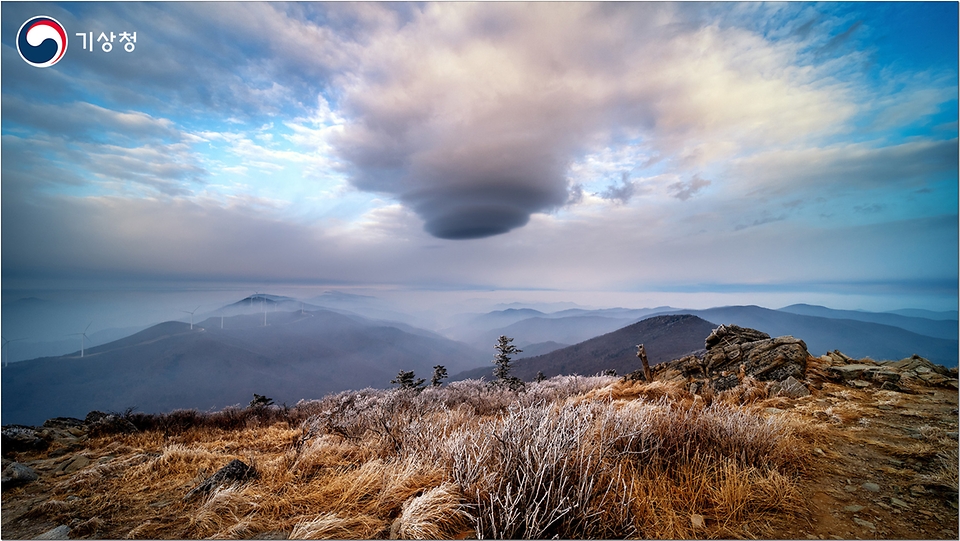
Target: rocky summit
[733,353]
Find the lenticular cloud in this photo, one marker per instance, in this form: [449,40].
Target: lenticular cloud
[472,114]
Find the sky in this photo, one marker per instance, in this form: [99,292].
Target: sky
[608,154]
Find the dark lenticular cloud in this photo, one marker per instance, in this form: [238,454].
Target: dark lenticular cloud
[473,134]
[472,114]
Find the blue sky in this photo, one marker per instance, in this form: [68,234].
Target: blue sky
[626,154]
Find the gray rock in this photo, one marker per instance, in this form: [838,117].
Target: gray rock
[100,423]
[234,472]
[22,438]
[74,464]
[62,423]
[899,503]
[17,474]
[726,335]
[730,347]
[871,487]
[60,532]
[859,383]
[853,508]
[890,386]
[864,523]
[848,371]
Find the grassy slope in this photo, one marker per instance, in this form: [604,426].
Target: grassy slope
[573,457]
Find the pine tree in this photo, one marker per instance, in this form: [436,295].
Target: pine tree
[406,379]
[439,373]
[540,377]
[502,371]
[260,401]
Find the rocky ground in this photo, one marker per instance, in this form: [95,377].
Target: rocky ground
[882,444]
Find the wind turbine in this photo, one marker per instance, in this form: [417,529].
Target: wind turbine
[82,336]
[7,354]
[191,316]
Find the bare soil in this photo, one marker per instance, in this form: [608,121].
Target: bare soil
[881,469]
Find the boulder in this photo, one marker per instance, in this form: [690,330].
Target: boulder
[63,423]
[735,352]
[726,335]
[234,472]
[868,372]
[15,475]
[919,365]
[17,439]
[100,423]
[60,532]
[74,464]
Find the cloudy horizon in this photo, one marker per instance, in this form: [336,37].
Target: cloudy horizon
[608,154]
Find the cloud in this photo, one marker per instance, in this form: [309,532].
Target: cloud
[849,166]
[622,193]
[472,115]
[85,121]
[686,190]
[43,162]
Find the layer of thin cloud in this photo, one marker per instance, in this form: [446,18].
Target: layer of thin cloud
[620,144]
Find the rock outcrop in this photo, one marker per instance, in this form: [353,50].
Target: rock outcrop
[888,375]
[734,352]
[17,439]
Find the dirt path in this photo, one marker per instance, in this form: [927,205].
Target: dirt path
[881,469]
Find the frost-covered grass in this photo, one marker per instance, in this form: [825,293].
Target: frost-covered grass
[570,457]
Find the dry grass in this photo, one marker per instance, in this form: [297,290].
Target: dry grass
[572,457]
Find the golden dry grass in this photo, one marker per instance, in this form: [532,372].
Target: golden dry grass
[572,457]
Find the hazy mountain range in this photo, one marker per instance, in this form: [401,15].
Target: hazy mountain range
[290,349]
[857,338]
[664,337]
[170,366]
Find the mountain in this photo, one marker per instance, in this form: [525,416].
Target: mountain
[928,314]
[568,330]
[540,348]
[616,313]
[937,328]
[532,326]
[854,338]
[664,337]
[169,366]
[363,305]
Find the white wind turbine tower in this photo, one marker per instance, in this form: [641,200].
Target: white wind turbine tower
[83,335]
[191,316]
[6,343]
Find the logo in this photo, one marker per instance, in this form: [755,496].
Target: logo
[41,42]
